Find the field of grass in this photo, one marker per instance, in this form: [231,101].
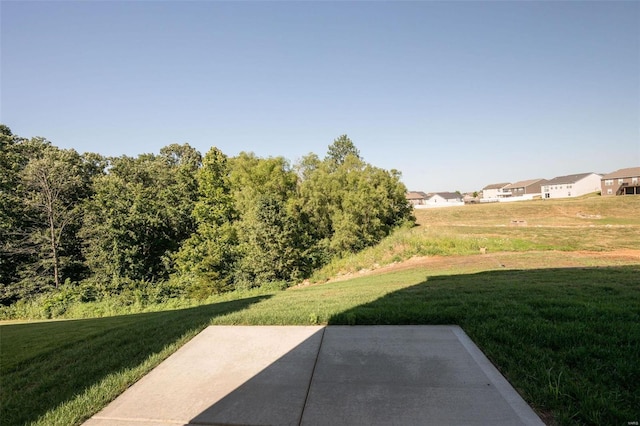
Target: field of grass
[562,326]
[587,223]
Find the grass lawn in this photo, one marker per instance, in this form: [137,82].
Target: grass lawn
[562,326]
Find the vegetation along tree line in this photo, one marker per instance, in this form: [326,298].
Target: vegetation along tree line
[182,223]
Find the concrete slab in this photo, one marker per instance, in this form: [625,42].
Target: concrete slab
[409,375]
[226,374]
[338,375]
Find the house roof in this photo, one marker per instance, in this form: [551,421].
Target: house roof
[416,195]
[447,195]
[623,173]
[523,183]
[496,186]
[561,180]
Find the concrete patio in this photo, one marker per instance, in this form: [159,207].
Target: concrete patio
[315,375]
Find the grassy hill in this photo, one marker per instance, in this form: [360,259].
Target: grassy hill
[553,302]
[590,223]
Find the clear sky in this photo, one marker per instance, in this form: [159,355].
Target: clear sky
[456,95]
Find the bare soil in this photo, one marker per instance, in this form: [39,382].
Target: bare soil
[508,260]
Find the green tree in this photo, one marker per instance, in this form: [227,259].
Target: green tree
[140,214]
[13,250]
[340,149]
[209,255]
[351,204]
[55,185]
[271,246]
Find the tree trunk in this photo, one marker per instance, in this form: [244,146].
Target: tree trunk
[54,250]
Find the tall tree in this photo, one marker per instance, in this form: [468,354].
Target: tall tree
[270,244]
[340,149]
[12,255]
[54,186]
[210,254]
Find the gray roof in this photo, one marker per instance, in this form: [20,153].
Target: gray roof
[496,186]
[562,180]
[523,183]
[623,173]
[448,195]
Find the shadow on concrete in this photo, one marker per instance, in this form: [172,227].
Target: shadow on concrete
[64,368]
[275,396]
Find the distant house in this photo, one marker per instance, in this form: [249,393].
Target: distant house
[523,190]
[621,182]
[417,199]
[445,199]
[494,191]
[470,198]
[571,185]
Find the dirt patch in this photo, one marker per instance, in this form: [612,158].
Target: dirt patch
[508,260]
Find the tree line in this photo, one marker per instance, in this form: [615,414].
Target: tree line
[208,223]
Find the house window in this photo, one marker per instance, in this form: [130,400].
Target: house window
[608,182]
[569,194]
[609,191]
[634,180]
[620,180]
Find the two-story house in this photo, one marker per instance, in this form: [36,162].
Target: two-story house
[495,191]
[571,185]
[621,182]
[525,189]
[418,199]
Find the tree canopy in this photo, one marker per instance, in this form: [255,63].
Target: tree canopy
[209,224]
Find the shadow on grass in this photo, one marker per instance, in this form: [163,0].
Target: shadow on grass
[80,353]
[567,338]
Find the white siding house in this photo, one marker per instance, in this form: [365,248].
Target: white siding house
[571,185]
[445,199]
[495,191]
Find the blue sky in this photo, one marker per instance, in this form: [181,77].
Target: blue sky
[456,95]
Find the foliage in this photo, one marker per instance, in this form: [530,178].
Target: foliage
[209,255]
[213,223]
[340,149]
[139,215]
[11,212]
[352,205]
[54,187]
[40,208]
[272,244]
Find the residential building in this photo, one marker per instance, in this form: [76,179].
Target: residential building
[444,199]
[621,182]
[417,199]
[571,185]
[494,191]
[523,190]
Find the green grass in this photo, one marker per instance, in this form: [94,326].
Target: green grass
[60,372]
[562,327]
[568,339]
[585,223]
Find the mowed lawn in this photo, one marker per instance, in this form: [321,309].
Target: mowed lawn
[564,329]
